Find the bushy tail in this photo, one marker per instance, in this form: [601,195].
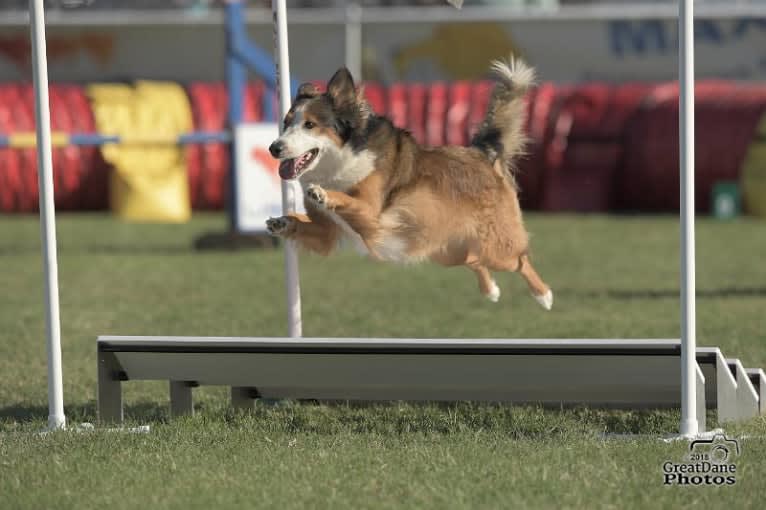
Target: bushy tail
[501,135]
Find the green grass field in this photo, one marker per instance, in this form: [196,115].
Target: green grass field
[613,277]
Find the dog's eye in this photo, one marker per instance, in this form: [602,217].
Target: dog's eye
[309,125]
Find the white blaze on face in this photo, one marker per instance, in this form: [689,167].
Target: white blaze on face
[297,139]
[301,147]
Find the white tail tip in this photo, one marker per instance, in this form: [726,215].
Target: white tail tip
[545,300]
[515,72]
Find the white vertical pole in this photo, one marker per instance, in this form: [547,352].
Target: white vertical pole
[292,275]
[353,39]
[56,418]
[689,424]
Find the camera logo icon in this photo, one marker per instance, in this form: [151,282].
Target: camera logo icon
[718,450]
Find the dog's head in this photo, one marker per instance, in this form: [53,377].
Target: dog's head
[318,123]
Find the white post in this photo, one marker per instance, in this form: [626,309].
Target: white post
[292,276]
[56,418]
[689,424]
[353,40]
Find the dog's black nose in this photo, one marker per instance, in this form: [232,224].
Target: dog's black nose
[276,148]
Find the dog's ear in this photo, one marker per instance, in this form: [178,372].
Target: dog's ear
[341,87]
[307,91]
[363,107]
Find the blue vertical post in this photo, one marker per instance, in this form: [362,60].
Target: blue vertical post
[242,56]
[269,113]
[236,78]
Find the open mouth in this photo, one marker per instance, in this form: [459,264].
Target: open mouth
[293,168]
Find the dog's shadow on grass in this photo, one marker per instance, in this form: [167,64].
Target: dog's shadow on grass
[642,294]
[447,418]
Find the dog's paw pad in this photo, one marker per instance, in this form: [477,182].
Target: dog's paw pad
[278,226]
[317,195]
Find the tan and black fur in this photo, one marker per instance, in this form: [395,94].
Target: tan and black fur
[369,181]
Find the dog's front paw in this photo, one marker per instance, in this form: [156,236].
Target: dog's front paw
[280,226]
[317,195]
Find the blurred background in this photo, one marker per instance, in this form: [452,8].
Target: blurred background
[602,122]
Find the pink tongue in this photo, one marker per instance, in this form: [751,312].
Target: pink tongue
[287,169]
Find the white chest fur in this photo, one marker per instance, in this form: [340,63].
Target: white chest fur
[339,168]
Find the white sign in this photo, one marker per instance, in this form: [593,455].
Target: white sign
[259,187]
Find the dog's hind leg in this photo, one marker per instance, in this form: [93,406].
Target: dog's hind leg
[521,264]
[487,284]
[540,291]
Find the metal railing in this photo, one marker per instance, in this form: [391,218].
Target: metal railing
[338,14]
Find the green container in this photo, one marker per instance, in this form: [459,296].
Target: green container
[754,178]
[726,200]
